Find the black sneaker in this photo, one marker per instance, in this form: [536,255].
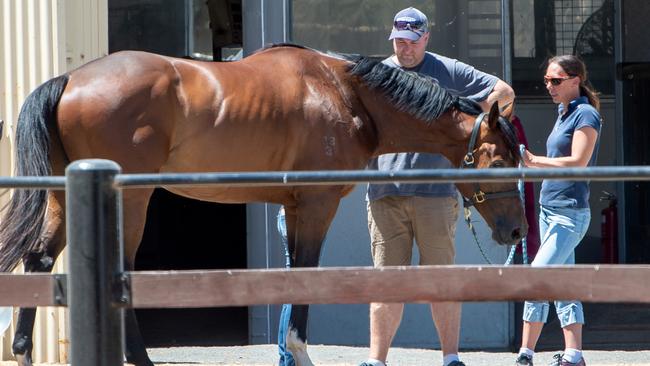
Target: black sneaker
[456,363]
[524,360]
[559,361]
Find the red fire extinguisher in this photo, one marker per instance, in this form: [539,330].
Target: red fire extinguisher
[609,229]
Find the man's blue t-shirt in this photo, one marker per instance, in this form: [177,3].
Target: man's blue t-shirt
[460,79]
[558,193]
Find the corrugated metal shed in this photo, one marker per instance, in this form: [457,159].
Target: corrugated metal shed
[40,39]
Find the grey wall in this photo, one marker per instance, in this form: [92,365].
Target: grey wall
[484,325]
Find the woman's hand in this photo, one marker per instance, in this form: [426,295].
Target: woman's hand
[529,159]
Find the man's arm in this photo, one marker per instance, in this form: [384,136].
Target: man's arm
[501,93]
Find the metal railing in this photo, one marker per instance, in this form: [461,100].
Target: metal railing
[97,288]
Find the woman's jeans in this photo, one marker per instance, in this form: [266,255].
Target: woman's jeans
[286,359]
[561,229]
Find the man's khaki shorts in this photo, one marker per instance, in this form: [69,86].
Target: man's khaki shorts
[395,221]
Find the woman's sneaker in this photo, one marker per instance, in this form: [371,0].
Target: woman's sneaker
[524,360]
[559,361]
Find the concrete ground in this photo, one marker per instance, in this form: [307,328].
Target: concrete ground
[351,356]
[265,355]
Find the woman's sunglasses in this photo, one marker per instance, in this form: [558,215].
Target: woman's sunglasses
[557,81]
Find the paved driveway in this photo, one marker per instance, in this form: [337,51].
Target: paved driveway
[265,355]
[352,356]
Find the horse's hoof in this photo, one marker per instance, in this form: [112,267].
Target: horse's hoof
[24,360]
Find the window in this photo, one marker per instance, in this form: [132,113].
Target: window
[543,28]
[468,30]
[199,29]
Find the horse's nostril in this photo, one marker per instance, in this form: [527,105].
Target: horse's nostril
[516,234]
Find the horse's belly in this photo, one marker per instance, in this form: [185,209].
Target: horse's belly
[233,194]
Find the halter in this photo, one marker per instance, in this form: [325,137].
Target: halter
[480,196]
[468,162]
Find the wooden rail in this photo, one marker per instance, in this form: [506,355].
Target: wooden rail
[30,290]
[347,285]
[342,285]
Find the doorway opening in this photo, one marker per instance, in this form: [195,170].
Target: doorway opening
[182,234]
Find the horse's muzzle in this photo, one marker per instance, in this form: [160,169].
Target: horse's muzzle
[510,235]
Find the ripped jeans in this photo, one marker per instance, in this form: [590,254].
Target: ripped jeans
[561,229]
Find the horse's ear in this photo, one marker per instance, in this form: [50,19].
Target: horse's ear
[493,117]
[507,111]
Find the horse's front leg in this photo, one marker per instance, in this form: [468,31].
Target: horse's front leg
[310,221]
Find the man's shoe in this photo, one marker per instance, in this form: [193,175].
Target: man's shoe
[456,363]
[559,361]
[524,360]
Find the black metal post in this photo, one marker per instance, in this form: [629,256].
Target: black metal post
[93,215]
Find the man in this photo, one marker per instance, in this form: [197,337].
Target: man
[400,213]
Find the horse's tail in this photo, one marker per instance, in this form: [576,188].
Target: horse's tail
[24,216]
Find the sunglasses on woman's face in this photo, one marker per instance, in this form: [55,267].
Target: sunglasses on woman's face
[556,81]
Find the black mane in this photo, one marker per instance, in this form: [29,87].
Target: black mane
[509,134]
[413,93]
[421,96]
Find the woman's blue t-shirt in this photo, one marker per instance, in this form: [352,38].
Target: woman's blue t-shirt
[575,194]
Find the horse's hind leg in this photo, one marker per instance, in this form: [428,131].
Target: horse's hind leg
[135,214]
[41,260]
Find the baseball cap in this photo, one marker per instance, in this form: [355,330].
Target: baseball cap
[409,23]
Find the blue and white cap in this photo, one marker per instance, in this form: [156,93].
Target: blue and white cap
[409,23]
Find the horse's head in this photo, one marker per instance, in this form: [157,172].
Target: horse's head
[493,144]
[414,113]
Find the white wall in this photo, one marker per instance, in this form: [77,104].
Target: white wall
[40,39]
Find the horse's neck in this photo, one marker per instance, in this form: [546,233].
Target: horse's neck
[399,132]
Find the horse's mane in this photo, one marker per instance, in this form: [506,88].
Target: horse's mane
[421,96]
[510,136]
[413,93]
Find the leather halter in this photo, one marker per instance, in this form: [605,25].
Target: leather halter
[468,162]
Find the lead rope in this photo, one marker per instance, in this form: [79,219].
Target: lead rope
[522,196]
[468,220]
[513,249]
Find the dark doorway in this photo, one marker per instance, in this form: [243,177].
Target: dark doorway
[183,234]
[208,30]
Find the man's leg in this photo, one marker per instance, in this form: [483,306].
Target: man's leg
[391,238]
[435,231]
[384,321]
[446,316]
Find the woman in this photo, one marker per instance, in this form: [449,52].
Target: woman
[564,205]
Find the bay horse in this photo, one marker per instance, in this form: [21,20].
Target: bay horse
[284,108]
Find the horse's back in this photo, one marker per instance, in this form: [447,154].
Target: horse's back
[280,109]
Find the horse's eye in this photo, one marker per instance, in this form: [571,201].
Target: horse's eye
[498,164]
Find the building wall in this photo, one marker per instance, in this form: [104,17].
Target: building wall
[484,325]
[40,39]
